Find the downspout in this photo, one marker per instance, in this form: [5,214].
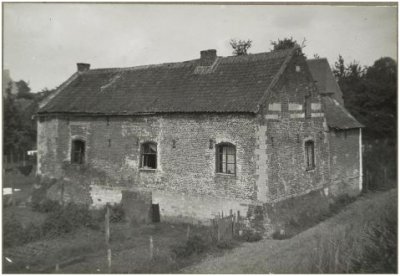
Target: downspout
[361,162]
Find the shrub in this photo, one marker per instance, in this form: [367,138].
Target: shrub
[13,232]
[46,206]
[340,202]
[225,244]
[67,219]
[277,235]
[117,213]
[380,255]
[195,244]
[250,236]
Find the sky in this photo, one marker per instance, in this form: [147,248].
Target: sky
[42,42]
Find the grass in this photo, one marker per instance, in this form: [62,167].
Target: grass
[130,250]
[359,235]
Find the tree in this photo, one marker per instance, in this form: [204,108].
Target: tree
[369,93]
[240,47]
[339,68]
[24,91]
[286,43]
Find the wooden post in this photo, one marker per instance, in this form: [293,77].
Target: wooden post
[23,159]
[12,193]
[107,228]
[385,175]
[62,193]
[151,247]
[188,232]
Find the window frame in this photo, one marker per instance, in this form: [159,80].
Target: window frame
[221,162]
[143,154]
[309,148]
[78,157]
[307,107]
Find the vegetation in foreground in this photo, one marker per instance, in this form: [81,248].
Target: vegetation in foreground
[362,238]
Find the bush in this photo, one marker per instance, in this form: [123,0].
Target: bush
[226,244]
[380,255]
[195,244]
[250,236]
[46,206]
[15,234]
[339,203]
[117,213]
[277,235]
[67,219]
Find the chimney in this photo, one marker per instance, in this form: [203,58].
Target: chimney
[207,57]
[83,67]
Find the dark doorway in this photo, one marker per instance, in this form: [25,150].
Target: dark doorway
[155,214]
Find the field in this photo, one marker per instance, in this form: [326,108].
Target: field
[360,238]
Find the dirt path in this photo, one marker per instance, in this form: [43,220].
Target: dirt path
[294,255]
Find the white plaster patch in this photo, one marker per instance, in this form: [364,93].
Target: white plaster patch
[272,116]
[130,163]
[295,107]
[102,195]
[297,115]
[275,107]
[317,115]
[315,106]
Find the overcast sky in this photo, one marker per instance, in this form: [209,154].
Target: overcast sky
[43,42]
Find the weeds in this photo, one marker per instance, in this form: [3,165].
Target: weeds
[250,235]
[195,244]
[366,247]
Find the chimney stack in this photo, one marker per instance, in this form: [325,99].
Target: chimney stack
[207,57]
[83,67]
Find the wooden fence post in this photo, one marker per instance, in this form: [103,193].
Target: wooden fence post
[12,194]
[23,159]
[107,226]
[62,193]
[385,175]
[151,248]
[188,233]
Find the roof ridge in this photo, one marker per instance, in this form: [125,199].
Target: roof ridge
[183,63]
[141,67]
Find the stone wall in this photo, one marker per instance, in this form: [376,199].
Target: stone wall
[186,157]
[283,131]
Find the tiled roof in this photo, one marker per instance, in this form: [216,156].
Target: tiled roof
[325,80]
[231,84]
[337,117]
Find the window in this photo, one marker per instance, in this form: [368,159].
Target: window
[309,146]
[149,156]
[307,107]
[226,159]
[78,152]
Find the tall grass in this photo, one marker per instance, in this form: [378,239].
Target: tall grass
[367,245]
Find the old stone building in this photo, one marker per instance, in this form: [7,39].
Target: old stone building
[256,132]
